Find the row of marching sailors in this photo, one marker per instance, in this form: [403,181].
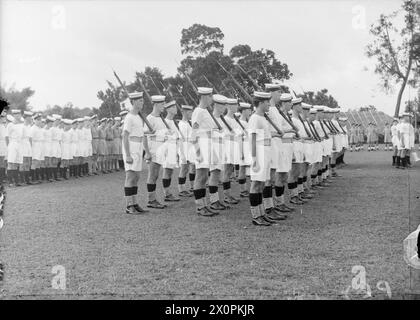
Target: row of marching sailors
[34,149]
[210,143]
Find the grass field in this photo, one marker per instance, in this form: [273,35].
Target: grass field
[361,219]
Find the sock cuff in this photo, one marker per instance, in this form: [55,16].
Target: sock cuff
[267,192]
[151,187]
[290,185]
[305,178]
[181,180]
[279,191]
[191,176]
[166,183]
[213,189]
[129,191]
[226,185]
[300,181]
[242,181]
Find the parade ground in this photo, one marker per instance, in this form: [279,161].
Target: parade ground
[79,225]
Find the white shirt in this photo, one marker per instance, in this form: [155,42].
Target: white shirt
[259,125]
[185,129]
[299,125]
[202,120]
[133,125]
[158,126]
[14,131]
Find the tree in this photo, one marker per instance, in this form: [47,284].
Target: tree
[320,98]
[395,58]
[111,99]
[18,99]
[200,39]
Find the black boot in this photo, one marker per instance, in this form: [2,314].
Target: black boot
[403,163]
[27,179]
[398,165]
[393,160]
[64,173]
[17,175]
[407,159]
[10,177]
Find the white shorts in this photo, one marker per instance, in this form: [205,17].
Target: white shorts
[245,158]
[275,153]
[217,156]
[55,149]
[308,150]
[66,151]
[405,139]
[298,154]
[395,141]
[170,160]
[136,152]
[3,148]
[89,148]
[26,148]
[157,150]
[286,157]
[318,149]
[231,151]
[14,153]
[336,143]
[263,160]
[38,150]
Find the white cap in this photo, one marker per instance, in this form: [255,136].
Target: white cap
[185,107]
[218,98]
[272,86]
[86,118]
[262,95]
[231,101]
[204,90]
[158,98]
[296,100]
[56,116]
[15,111]
[28,113]
[123,113]
[306,106]
[36,116]
[10,118]
[67,121]
[335,110]
[170,104]
[319,108]
[343,118]
[285,97]
[326,109]
[117,118]
[135,95]
[93,117]
[406,114]
[245,105]
[312,111]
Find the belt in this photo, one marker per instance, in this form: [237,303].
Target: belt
[267,142]
[230,138]
[109,139]
[95,138]
[135,139]
[287,140]
[153,138]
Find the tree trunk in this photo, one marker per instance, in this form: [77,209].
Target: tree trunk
[400,93]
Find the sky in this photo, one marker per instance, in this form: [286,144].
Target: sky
[66,50]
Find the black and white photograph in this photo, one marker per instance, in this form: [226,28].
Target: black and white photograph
[197,150]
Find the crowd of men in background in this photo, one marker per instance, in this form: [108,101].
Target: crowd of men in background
[36,149]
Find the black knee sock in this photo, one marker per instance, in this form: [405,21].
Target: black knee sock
[279,191]
[254,199]
[398,161]
[393,159]
[166,183]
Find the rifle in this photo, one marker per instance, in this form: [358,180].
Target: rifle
[246,94]
[225,123]
[255,84]
[314,131]
[211,84]
[334,127]
[273,124]
[304,126]
[323,129]
[143,118]
[172,97]
[289,122]
[150,100]
[328,126]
